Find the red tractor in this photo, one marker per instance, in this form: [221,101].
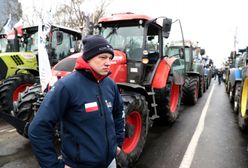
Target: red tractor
[149,80]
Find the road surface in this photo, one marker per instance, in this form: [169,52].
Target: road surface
[212,142]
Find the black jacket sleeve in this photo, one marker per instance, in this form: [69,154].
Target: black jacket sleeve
[41,129]
[119,118]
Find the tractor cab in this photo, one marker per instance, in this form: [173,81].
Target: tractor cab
[139,43]
[10,42]
[60,43]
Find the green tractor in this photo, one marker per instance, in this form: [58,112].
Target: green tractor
[19,69]
[194,80]
[208,69]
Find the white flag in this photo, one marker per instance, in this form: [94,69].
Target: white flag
[44,64]
[8,26]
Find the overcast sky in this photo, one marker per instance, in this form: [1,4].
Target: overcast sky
[211,22]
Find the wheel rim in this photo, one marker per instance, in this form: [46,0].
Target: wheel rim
[19,89]
[244,98]
[130,143]
[174,97]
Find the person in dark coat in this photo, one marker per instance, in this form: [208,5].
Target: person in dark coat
[88,108]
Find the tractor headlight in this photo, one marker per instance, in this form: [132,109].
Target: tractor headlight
[145,60]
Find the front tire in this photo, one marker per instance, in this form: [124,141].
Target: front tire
[190,90]
[236,97]
[136,110]
[169,100]
[242,116]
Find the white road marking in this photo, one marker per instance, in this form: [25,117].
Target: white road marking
[3,130]
[12,130]
[190,152]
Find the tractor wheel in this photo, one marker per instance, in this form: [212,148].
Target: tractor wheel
[201,87]
[168,100]
[236,97]
[206,83]
[26,105]
[243,112]
[137,113]
[11,87]
[228,87]
[231,94]
[190,90]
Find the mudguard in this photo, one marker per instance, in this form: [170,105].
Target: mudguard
[235,75]
[166,67]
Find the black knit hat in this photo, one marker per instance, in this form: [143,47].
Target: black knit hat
[94,45]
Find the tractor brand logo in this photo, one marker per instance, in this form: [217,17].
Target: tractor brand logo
[27,56]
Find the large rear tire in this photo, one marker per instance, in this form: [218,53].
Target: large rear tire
[237,97]
[190,90]
[243,112]
[26,105]
[168,100]
[137,113]
[11,87]
[201,86]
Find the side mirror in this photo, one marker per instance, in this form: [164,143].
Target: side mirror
[59,37]
[166,27]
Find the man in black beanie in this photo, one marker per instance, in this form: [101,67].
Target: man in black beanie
[89,109]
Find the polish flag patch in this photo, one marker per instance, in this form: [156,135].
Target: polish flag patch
[90,107]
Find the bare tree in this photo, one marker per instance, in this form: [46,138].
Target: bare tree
[70,15]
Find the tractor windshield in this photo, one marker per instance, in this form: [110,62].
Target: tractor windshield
[30,43]
[174,52]
[126,39]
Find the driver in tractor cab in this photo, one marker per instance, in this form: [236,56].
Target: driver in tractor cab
[87,106]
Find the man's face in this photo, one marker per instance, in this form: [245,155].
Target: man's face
[101,63]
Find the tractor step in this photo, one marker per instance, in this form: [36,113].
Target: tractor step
[151,93]
[154,116]
[154,105]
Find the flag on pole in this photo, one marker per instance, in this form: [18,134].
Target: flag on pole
[8,26]
[44,64]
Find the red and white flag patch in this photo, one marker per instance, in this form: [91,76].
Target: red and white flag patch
[90,107]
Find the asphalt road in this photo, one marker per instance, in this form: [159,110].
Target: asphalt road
[220,145]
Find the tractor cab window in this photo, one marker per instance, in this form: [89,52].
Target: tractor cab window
[187,52]
[62,45]
[174,52]
[153,43]
[127,39]
[29,43]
